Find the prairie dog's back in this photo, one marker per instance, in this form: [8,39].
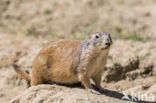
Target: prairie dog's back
[61,51]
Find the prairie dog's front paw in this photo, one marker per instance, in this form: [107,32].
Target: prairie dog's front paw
[94,91]
[100,89]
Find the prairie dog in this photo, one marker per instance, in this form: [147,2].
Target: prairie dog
[70,62]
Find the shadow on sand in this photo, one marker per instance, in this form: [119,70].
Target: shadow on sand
[114,94]
[122,96]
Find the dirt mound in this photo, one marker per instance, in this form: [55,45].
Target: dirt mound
[59,94]
[129,60]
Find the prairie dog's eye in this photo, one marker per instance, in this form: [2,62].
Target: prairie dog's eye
[96,36]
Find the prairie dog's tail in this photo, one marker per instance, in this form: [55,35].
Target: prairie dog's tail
[21,73]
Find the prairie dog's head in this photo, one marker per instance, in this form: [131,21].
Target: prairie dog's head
[99,41]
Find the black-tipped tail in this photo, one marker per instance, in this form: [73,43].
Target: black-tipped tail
[21,73]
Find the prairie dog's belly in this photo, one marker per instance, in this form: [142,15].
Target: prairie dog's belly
[63,77]
[62,72]
[67,81]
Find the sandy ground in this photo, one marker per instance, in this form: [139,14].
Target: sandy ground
[26,26]
[68,18]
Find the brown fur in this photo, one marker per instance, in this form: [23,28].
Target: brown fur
[67,62]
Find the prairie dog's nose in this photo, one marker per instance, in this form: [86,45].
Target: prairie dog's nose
[108,41]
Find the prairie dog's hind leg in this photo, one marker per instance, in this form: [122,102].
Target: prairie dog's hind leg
[39,71]
[37,75]
[36,80]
